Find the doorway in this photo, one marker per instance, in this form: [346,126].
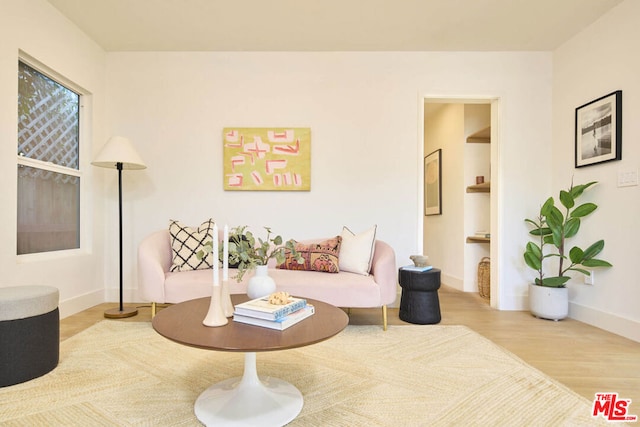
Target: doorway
[465,232]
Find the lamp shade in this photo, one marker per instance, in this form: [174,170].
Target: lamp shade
[118,149]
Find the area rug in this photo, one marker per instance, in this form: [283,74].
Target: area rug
[125,374]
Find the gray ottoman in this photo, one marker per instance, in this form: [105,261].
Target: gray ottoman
[29,333]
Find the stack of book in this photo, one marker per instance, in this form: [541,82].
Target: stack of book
[260,312]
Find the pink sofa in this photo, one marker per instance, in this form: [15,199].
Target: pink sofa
[343,289]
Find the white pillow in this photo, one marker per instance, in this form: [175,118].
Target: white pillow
[356,251]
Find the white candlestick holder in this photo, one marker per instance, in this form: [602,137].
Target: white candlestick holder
[215,315]
[225,296]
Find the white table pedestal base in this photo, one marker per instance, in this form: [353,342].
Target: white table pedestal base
[248,401]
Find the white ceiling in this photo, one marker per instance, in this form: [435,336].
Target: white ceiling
[332,25]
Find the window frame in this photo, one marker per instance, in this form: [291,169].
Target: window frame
[84,105]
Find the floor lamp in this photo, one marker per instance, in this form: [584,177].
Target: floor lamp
[118,153]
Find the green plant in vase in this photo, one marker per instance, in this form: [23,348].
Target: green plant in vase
[246,251]
[548,295]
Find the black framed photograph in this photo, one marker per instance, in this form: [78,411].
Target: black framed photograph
[433,183]
[599,130]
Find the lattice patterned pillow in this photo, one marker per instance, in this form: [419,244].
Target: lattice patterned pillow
[185,244]
[318,256]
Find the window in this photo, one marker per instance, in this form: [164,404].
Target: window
[48,164]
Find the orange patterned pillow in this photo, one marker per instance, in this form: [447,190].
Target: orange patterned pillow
[318,256]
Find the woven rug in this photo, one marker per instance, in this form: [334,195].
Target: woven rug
[125,374]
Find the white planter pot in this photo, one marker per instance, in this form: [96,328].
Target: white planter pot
[548,303]
[261,284]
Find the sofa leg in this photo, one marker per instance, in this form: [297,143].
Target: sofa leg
[384,317]
[153,310]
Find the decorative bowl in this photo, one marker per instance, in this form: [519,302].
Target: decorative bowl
[420,260]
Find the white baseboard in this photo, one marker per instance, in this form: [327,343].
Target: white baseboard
[452,282]
[128,295]
[80,303]
[83,302]
[609,322]
[514,302]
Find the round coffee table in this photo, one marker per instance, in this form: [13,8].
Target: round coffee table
[247,400]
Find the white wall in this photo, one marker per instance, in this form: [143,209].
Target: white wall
[36,28]
[444,234]
[365,115]
[601,59]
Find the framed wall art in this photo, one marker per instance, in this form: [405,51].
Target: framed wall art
[267,159]
[599,130]
[433,183]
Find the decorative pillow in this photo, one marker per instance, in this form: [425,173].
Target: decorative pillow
[185,244]
[318,256]
[356,252]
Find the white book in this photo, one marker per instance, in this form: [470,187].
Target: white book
[280,324]
[414,268]
[262,309]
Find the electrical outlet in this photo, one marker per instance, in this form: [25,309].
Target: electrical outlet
[627,177]
[588,280]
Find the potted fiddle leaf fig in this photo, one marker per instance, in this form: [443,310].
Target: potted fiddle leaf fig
[551,229]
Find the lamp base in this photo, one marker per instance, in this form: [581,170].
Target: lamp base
[116,313]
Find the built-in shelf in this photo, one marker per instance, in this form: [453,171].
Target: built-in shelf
[483,136]
[475,239]
[485,187]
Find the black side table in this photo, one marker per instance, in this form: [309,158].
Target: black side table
[419,302]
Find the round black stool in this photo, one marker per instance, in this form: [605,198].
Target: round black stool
[419,302]
[29,332]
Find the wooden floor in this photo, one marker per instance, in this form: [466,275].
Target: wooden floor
[582,357]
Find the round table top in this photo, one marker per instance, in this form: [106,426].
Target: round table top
[182,323]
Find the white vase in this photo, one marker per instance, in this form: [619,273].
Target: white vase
[548,303]
[261,284]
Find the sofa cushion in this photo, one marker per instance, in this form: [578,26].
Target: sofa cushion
[341,289]
[185,244]
[318,256]
[356,251]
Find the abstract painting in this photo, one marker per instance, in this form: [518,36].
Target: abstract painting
[267,159]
